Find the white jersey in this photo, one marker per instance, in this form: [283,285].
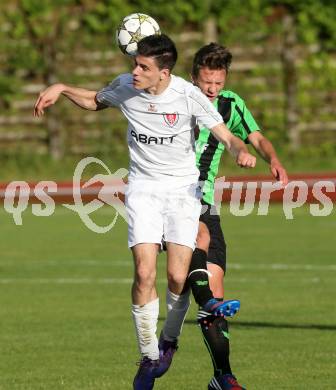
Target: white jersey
[161,127]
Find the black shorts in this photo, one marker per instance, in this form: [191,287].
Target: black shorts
[217,247]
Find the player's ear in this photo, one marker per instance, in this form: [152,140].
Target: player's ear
[164,74]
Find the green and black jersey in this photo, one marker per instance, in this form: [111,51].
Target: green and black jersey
[241,123]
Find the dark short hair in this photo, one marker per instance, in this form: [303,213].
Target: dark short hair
[161,47]
[212,56]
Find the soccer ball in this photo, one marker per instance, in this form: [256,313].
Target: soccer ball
[132,29]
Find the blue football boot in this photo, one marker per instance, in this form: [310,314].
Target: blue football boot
[221,308]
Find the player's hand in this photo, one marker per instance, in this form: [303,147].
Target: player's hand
[246,160]
[279,172]
[47,98]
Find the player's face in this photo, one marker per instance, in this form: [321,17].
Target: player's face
[146,74]
[211,82]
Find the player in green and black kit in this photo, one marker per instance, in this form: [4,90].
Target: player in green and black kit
[210,67]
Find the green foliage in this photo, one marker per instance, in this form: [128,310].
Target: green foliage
[39,30]
[36,28]
[177,13]
[38,36]
[102,17]
[241,20]
[8,87]
[315,20]
[105,15]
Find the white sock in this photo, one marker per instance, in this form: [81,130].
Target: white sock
[177,308]
[145,320]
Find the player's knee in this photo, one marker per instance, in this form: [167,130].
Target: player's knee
[176,281]
[145,277]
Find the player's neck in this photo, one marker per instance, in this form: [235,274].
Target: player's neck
[160,87]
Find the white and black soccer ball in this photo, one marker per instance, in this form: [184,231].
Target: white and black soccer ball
[132,29]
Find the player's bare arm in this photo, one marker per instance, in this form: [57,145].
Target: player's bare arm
[83,98]
[235,146]
[266,150]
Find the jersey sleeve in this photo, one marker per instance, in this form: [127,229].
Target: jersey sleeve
[243,122]
[203,110]
[109,95]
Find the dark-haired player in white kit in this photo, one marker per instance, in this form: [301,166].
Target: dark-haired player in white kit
[161,198]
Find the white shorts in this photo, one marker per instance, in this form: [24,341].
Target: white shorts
[157,212]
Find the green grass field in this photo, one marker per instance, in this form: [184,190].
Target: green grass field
[65,318]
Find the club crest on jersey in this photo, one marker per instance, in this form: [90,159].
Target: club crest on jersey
[171,119]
